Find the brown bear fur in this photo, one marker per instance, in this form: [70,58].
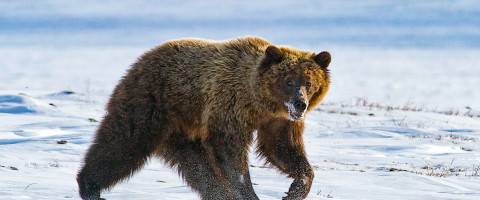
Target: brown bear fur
[196,104]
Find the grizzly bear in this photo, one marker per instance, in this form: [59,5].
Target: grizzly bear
[196,104]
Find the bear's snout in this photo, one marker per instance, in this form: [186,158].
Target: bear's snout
[296,108]
[300,105]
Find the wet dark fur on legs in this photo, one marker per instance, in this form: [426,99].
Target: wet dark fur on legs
[209,166]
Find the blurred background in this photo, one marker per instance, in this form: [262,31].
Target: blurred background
[383,24]
[409,52]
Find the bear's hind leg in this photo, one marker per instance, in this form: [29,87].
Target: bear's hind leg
[117,152]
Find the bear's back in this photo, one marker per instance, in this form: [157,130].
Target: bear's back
[191,76]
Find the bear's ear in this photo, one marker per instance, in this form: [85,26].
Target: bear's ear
[323,59]
[273,55]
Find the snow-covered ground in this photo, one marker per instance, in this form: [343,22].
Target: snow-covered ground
[402,119]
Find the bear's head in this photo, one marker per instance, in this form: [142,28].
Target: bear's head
[294,81]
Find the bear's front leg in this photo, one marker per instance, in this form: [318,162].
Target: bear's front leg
[229,152]
[300,187]
[280,142]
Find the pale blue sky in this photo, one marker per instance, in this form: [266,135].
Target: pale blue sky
[374,23]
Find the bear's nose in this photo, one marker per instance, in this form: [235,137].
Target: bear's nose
[300,105]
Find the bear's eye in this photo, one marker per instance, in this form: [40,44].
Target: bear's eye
[289,83]
[308,84]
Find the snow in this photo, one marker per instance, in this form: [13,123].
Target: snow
[401,120]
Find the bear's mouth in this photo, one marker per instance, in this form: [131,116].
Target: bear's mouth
[293,113]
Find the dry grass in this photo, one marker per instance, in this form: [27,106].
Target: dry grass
[438,170]
[409,107]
